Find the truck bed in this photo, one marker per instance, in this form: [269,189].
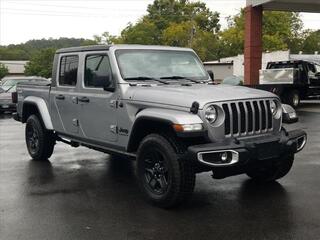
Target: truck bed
[278,76]
[40,89]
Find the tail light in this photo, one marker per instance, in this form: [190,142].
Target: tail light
[14,96]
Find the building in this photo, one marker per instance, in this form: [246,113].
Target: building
[16,68]
[253,29]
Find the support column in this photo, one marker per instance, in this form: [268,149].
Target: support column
[253,45]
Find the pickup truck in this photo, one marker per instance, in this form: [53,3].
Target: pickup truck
[292,80]
[158,106]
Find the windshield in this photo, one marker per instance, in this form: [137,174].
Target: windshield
[159,64]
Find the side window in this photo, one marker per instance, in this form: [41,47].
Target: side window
[312,68]
[68,70]
[97,71]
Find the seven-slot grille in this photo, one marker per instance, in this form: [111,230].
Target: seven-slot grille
[247,117]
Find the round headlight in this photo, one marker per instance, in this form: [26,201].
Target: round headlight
[273,107]
[211,114]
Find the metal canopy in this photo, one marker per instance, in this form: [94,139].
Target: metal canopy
[287,5]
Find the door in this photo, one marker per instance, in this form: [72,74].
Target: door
[64,104]
[314,79]
[98,100]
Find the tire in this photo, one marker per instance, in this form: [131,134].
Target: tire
[165,179]
[40,142]
[274,172]
[293,98]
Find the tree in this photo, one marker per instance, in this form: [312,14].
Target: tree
[144,32]
[203,42]
[165,12]
[41,63]
[312,42]
[105,38]
[26,50]
[173,22]
[281,31]
[3,70]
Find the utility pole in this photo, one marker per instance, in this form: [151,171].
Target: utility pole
[192,31]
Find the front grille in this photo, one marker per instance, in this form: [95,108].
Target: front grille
[247,117]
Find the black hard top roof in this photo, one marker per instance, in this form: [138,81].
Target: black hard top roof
[84,49]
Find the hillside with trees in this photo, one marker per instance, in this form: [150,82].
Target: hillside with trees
[26,51]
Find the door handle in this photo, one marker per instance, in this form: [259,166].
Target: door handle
[84,100]
[60,97]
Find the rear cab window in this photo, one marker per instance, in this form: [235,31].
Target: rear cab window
[68,71]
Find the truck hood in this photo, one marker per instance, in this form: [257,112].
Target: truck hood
[184,96]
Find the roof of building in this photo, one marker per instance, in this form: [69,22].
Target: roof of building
[287,5]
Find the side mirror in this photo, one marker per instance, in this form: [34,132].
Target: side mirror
[211,74]
[289,115]
[108,86]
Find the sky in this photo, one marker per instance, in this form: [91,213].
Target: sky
[22,20]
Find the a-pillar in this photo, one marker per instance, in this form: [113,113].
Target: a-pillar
[253,44]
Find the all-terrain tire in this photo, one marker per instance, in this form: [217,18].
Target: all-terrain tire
[180,174]
[273,172]
[40,142]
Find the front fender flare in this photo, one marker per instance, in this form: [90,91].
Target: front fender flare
[173,116]
[42,108]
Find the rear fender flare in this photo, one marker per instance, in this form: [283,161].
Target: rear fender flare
[42,109]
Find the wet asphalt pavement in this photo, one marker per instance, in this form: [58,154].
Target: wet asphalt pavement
[83,194]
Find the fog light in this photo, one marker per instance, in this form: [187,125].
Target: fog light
[224,157]
[219,158]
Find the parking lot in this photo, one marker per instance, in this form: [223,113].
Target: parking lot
[83,194]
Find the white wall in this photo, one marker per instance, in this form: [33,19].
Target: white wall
[238,61]
[15,67]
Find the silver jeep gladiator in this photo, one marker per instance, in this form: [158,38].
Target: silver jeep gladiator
[159,106]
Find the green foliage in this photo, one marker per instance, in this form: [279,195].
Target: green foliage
[312,42]
[165,12]
[26,50]
[144,32]
[173,22]
[41,64]
[105,38]
[3,70]
[281,31]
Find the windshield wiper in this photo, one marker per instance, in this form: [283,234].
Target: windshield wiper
[180,77]
[145,79]
[9,88]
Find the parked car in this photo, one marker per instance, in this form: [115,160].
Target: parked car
[158,105]
[8,86]
[292,81]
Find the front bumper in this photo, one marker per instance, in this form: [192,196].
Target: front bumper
[241,154]
[7,107]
